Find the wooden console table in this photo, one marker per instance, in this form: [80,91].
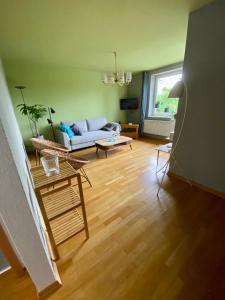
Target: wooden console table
[59,205]
[132,130]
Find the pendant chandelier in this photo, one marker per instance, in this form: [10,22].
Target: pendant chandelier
[120,78]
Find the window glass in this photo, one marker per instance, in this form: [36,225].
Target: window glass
[161,84]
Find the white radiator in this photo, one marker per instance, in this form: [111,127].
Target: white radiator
[158,127]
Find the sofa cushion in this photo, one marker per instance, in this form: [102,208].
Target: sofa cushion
[91,136]
[109,127]
[96,124]
[80,123]
[65,128]
[76,129]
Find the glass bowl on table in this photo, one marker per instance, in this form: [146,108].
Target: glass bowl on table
[50,164]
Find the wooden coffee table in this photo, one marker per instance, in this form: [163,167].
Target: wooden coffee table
[112,143]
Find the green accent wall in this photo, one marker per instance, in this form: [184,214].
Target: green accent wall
[73,93]
[134,90]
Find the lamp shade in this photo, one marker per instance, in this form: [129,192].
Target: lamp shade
[20,87]
[177,90]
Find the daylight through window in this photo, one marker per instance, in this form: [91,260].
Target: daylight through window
[161,84]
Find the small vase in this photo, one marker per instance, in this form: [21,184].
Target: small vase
[50,165]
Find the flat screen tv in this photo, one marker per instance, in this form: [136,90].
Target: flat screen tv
[127,104]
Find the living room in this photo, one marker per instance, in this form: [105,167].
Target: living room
[141,156]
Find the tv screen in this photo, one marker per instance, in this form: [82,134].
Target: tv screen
[126,104]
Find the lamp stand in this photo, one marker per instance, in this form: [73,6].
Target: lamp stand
[165,172]
[50,122]
[178,91]
[21,88]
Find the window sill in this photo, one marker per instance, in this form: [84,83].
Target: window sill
[158,118]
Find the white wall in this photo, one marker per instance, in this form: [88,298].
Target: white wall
[18,204]
[201,150]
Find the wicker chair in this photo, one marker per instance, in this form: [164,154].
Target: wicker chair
[46,147]
[40,144]
[76,162]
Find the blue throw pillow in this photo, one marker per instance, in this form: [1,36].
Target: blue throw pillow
[66,129]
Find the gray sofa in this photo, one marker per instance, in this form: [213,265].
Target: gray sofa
[91,132]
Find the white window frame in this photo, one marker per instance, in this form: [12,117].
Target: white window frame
[155,75]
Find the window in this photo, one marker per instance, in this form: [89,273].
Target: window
[160,106]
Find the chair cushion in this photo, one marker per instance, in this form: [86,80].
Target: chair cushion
[80,123]
[96,124]
[91,136]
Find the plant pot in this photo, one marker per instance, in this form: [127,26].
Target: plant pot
[166,110]
[40,137]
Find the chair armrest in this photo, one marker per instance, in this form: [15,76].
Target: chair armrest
[63,139]
[117,128]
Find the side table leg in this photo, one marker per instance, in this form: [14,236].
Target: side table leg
[36,156]
[157,161]
[83,205]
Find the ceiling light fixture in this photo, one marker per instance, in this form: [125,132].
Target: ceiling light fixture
[120,78]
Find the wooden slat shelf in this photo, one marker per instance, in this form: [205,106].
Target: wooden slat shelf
[41,180]
[60,202]
[66,226]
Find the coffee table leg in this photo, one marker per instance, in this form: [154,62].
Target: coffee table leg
[130,146]
[106,154]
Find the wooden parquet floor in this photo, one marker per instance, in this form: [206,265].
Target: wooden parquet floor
[140,247]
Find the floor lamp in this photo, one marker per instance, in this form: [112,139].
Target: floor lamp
[180,92]
[50,122]
[21,88]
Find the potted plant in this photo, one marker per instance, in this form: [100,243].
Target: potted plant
[34,113]
[167,109]
[156,106]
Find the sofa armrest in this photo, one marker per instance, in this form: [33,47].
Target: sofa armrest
[63,139]
[117,128]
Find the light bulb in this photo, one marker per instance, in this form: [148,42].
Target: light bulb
[128,77]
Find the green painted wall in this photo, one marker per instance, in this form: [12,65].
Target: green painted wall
[134,90]
[73,93]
